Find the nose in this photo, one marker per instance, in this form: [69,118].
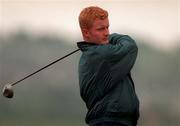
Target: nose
[106,32]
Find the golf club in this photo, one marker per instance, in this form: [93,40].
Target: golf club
[8,91]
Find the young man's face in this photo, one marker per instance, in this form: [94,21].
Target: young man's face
[99,32]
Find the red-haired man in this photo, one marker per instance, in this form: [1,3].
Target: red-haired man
[105,81]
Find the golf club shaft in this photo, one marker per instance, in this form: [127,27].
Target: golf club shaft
[43,68]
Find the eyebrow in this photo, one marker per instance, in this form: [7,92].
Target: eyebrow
[104,26]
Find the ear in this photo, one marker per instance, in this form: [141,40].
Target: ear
[85,33]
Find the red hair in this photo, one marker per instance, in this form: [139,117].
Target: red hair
[89,14]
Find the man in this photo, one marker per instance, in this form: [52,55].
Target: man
[105,82]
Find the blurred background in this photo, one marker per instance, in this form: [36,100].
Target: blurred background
[34,33]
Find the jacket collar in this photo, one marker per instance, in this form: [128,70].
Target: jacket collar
[83,45]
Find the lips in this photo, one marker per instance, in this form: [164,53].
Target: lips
[105,39]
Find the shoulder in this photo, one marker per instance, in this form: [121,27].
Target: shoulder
[114,37]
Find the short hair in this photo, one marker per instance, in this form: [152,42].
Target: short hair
[89,14]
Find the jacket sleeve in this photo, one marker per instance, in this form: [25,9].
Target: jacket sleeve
[120,53]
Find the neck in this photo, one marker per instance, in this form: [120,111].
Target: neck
[87,40]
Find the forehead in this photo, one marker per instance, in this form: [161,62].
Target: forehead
[101,23]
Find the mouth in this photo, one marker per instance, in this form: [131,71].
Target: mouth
[105,39]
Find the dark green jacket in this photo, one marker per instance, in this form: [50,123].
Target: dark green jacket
[105,82]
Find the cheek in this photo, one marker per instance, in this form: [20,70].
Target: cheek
[96,34]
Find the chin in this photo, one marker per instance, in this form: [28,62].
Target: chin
[105,42]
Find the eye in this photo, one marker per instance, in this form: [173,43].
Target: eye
[103,28]
[100,29]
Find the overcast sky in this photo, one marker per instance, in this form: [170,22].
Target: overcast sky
[156,19]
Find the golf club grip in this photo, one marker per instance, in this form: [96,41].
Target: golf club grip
[44,67]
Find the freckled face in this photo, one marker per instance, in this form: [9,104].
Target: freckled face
[99,32]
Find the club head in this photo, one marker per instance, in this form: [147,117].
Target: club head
[8,91]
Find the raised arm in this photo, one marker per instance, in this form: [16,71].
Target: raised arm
[121,54]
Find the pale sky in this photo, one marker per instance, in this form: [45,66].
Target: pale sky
[158,20]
